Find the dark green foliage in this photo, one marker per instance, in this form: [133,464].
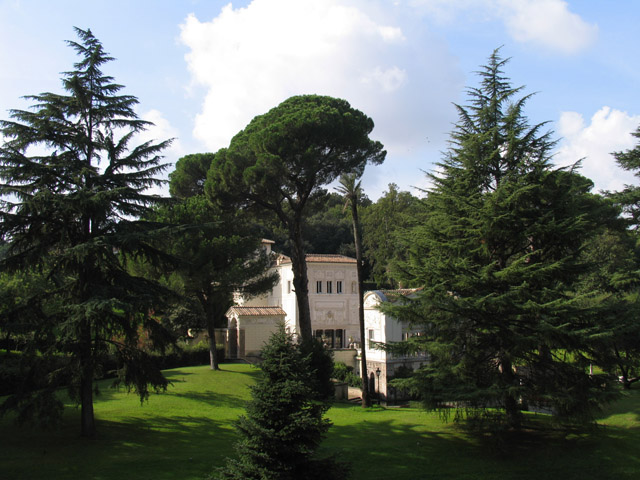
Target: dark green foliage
[383,223]
[71,189]
[216,259]
[284,425]
[321,364]
[328,230]
[188,179]
[616,274]
[345,373]
[629,198]
[499,260]
[282,159]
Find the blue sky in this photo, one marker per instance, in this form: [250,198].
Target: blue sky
[202,69]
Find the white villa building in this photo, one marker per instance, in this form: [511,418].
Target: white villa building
[333,302]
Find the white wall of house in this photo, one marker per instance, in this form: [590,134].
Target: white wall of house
[376,326]
[333,301]
[383,328]
[333,297]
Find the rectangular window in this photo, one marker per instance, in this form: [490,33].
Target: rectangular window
[339,286]
[370,339]
[318,286]
[329,287]
[288,286]
[331,338]
[328,338]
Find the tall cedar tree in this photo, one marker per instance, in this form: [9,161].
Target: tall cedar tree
[626,347]
[350,189]
[498,258]
[281,161]
[69,212]
[283,427]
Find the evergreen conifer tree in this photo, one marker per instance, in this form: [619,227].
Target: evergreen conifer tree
[629,198]
[216,261]
[284,425]
[498,258]
[72,187]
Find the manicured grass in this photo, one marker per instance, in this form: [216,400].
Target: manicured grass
[187,431]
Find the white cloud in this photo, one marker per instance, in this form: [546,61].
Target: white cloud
[377,55]
[160,131]
[547,23]
[544,23]
[251,59]
[390,79]
[609,131]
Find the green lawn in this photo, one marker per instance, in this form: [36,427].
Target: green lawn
[183,433]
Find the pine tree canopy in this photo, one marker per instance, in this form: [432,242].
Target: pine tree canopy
[74,183]
[283,159]
[498,258]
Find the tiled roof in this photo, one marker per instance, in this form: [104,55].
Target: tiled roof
[257,311]
[396,294]
[322,258]
[401,291]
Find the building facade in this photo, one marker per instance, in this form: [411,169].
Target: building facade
[381,328]
[333,303]
[333,297]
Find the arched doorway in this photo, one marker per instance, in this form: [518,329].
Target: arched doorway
[233,339]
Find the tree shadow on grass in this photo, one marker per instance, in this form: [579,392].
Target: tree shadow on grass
[215,399]
[398,450]
[158,448]
[107,390]
[171,447]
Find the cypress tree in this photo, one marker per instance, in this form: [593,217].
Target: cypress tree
[498,259]
[72,188]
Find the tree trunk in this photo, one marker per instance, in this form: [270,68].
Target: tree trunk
[204,297]
[87,420]
[210,313]
[366,398]
[300,280]
[213,351]
[511,408]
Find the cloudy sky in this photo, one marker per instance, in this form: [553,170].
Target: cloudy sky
[202,69]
